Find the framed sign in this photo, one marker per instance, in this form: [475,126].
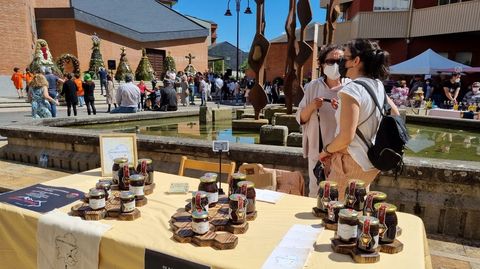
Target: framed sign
[220,145]
[115,146]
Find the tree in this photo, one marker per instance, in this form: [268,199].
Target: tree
[244,66]
[169,64]
[96,60]
[123,66]
[144,70]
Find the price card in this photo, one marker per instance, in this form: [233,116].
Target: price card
[220,145]
[179,187]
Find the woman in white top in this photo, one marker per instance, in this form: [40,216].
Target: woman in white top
[347,153]
[312,111]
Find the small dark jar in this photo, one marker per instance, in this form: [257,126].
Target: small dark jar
[237,211]
[327,192]
[368,234]
[387,217]
[347,225]
[333,209]
[355,194]
[106,186]
[199,201]
[373,197]
[96,199]
[200,223]
[236,177]
[137,186]
[127,202]
[208,184]
[145,168]
[117,162]
[247,188]
[126,170]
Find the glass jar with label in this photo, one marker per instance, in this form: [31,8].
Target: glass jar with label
[96,199]
[387,217]
[327,192]
[247,188]
[347,225]
[355,194]
[137,185]
[333,209]
[117,162]
[237,210]
[126,170]
[208,184]
[200,223]
[199,201]
[236,177]
[127,202]
[367,231]
[145,168]
[106,186]
[373,197]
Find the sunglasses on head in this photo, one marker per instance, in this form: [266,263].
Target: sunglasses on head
[332,61]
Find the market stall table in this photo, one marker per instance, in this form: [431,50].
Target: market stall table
[124,245]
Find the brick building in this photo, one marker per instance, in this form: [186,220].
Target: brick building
[67,26]
[405,28]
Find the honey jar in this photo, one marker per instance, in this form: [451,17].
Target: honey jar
[247,188]
[199,201]
[368,229]
[236,177]
[355,194]
[96,199]
[237,211]
[387,217]
[333,209]
[126,170]
[145,168]
[127,202]
[137,185]
[327,192]
[105,185]
[200,223]
[347,225]
[208,184]
[116,167]
[373,197]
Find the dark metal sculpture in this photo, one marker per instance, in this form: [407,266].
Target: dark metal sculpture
[256,60]
[333,11]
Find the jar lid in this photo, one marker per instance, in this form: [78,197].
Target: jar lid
[130,165]
[348,213]
[136,177]
[249,184]
[96,192]
[202,194]
[236,197]
[336,204]
[377,194]
[210,174]
[199,214]
[148,161]
[332,184]
[106,180]
[120,160]
[373,220]
[358,182]
[103,184]
[239,176]
[127,195]
[389,207]
[208,179]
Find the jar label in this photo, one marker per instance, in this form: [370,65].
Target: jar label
[350,200]
[96,203]
[200,227]
[138,191]
[128,207]
[382,212]
[212,197]
[369,203]
[144,167]
[346,231]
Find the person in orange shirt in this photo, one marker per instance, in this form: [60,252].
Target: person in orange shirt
[28,77]
[80,93]
[17,79]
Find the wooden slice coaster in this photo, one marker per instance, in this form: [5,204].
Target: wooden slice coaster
[318,213]
[78,209]
[330,225]
[237,228]
[338,246]
[184,235]
[204,240]
[113,208]
[130,216]
[225,241]
[180,225]
[363,257]
[148,189]
[91,214]
[141,202]
[219,223]
[182,216]
[392,248]
[252,216]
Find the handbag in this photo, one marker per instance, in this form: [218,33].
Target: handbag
[319,169]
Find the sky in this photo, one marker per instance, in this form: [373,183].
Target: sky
[275,12]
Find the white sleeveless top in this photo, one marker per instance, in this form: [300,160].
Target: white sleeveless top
[357,148]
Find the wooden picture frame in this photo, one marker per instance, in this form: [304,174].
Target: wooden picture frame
[115,146]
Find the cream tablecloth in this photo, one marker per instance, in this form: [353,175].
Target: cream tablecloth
[124,245]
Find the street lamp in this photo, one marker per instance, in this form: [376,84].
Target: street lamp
[229,13]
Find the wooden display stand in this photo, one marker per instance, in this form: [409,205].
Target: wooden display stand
[357,255]
[222,232]
[392,248]
[330,225]
[318,213]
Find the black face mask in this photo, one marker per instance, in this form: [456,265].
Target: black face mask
[342,69]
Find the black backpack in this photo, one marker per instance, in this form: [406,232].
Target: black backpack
[386,153]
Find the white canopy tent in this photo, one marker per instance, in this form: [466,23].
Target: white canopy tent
[428,62]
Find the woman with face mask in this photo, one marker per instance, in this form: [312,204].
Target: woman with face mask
[451,89]
[473,96]
[313,111]
[363,60]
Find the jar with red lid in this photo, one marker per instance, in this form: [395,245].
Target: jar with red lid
[247,188]
[145,168]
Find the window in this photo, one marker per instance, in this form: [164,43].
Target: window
[390,5]
[446,2]
[463,57]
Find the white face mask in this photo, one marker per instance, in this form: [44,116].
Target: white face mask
[457,80]
[331,71]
